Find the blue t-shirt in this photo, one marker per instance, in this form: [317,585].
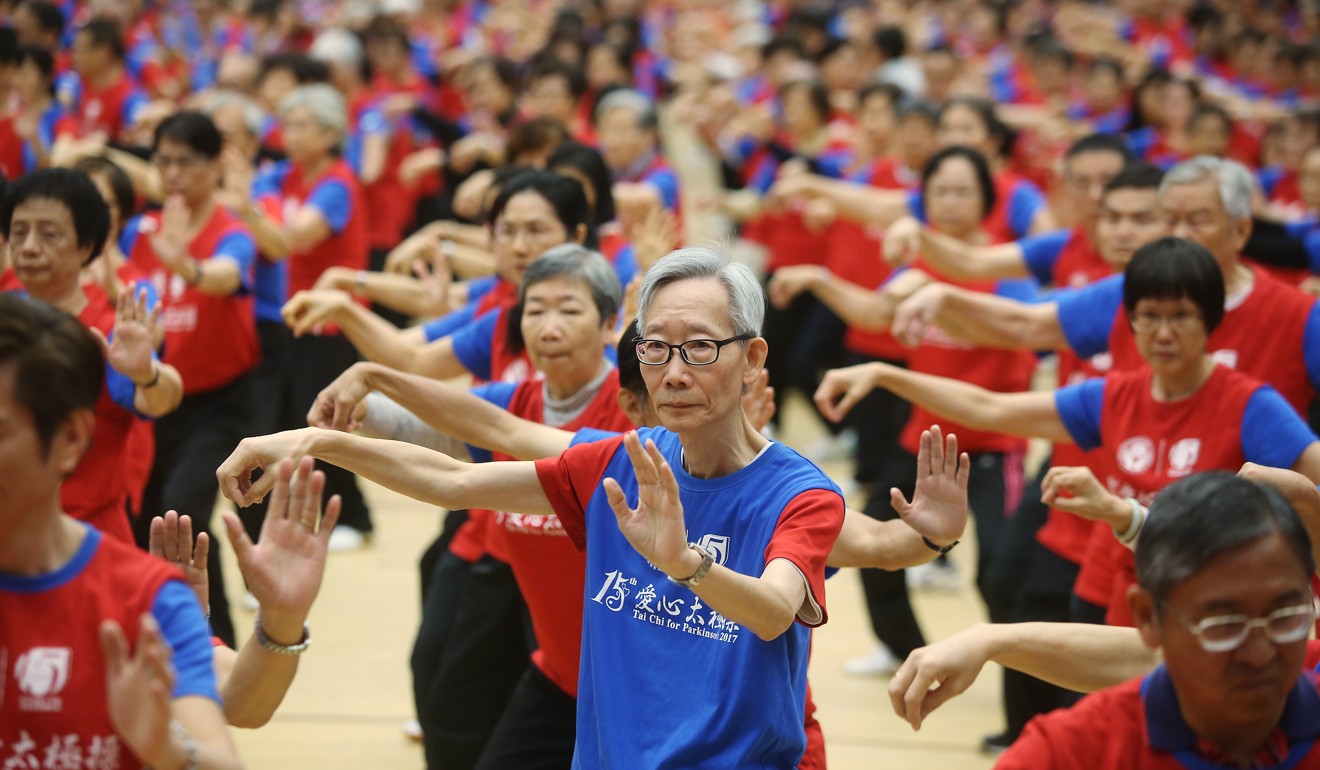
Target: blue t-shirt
[1041,252]
[1272,432]
[1308,232]
[272,276]
[666,181]
[474,344]
[500,394]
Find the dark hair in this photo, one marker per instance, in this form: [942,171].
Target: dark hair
[8,46]
[891,92]
[890,41]
[1204,110]
[385,28]
[1172,268]
[74,189]
[103,32]
[817,95]
[564,195]
[622,55]
[917,108]
[505,70]
[1154,77]
[1045,46]
[588,160]
[1101,63]
[536,134]
[121,187]
[983,178]
[48,15]
[57,363]
[1137,176]
[304,69]
[499,178]
[1100,143]
[554,67]
[192,129]
[985,111]
[782,44]
[39,56]
[833,46]
[630,369]
[1195,519]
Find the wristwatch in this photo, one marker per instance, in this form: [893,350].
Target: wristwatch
[707,561]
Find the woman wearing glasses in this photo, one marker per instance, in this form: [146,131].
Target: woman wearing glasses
[1181,414]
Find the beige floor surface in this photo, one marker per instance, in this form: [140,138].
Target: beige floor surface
[353,690]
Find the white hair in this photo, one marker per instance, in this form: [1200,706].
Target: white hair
[338,47]
[627,98]
[325,104]
[254,118]
[746,298]
[1235,181]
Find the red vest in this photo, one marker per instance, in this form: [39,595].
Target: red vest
[211,340]
[996,222]
[347,248]
[1263,337]
[1147,445]
[549,569]
[52,672]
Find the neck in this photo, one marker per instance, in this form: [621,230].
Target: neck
[201,213]
[71,300]
[40,540]
[107,76]
[566,387]
[315,168]
[1179,385]
[710,455]
[1237,276]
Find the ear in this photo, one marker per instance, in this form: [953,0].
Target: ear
[71,440]
[757,349]
[1242,231]
[1142,606]
[580,234]
[608,330]
[632,407]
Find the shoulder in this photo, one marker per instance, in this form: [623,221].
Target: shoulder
[1069,738]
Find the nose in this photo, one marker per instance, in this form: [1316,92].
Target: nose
[1257,651]
[1181,229]
[677,371]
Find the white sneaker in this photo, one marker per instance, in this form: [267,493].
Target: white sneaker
[879,662]
[250,602]
[840,447]
[934,576]
[345,539]
[412,730]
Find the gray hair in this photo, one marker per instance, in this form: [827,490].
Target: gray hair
[573,262]
[1200,517]
[1235,181]
[324,103]
[338,47]
[254,118]
[630,99]
[746,298]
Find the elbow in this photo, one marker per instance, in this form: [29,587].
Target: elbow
[249,718]
[773,628]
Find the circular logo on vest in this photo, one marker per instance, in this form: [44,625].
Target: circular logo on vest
[1183,455]
[1136,455]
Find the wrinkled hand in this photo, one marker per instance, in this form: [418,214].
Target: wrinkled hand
[788,282]
[655,527]
[1076,490]
[283,570]
[335,277]
[135,333]
[308,310]
[938,510]
[841,389]
[259,453]
[420,163]
[758,402]
[171,242]
[950,666]
[139,687]
[902,243]
[914,315]
[172,540]
[339,406]
[431,267]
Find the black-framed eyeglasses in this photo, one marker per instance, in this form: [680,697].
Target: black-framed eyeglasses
[694,352]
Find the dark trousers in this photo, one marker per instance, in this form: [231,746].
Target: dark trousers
[271,405]
[191,442]
[442,575]
[485,652]
[537,730]
[877,419]
[989,488]
[804,339]
[376,262]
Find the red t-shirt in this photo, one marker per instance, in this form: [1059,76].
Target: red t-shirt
[99,110]
[346,247]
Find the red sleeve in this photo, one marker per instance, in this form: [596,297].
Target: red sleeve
[1313,655]
[570,480]
[804,536]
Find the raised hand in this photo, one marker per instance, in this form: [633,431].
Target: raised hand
[950,667]
[902,241]
[139,685]
[337,407]
[172,540]
[1076,490]
[171,242]
[655,527]
[283,570]
[307,310]
[938,510]
[653,237]
[841,389]
[788,282]
[136,331]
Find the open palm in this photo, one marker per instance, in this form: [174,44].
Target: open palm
[938,510]
[134,338]
[655,527]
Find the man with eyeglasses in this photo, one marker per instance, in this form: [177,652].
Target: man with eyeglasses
[691,656]
[1235,688]
[201,260]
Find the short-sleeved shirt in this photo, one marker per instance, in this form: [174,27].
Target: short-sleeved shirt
[642,633]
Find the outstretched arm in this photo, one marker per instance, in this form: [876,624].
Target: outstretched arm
[419,473]
[1029,415]
[907,239]
[979,318]
[1048,651]
[858,202]
[938,512]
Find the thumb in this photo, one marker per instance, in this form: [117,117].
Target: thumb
[899,502]
[101,338]
[238,538]
[114,647]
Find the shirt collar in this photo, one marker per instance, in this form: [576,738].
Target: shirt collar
[1166,730]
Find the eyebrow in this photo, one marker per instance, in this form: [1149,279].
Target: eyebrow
[696,328]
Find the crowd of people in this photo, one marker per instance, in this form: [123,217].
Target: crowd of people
[441,245]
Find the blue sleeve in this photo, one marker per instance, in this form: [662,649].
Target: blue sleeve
[184,626]
[334,202]
[625,264]
[1086,315]
[241,249]
[1311,345]
[499,394]
[474,344]
[128,238]
[1272,432]
[1312,245]
[1079,408]
[1269,177]
[590,435]
[1041,252]
[449,323]
[270,180]
[480,287]
[132,106]
[666,181]
[1025,290]
[917,205]
[1023,203]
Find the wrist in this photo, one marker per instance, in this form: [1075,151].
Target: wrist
[1118,514]
[285,629]
[148,380]
[685,566]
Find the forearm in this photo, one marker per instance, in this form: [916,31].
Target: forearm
[756,604]
[962,261]
[403,293]
[861,203]
[996,322]
[269,237]
[471,261]
[950,399]
[1051,651]
[216,277]
[888,545]
[375,338]
[857,306]
[145,177]
[259,678]
[162,397]
[203,721]
[389,420]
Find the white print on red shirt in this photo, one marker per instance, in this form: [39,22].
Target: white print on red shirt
[66,753]
[40,674]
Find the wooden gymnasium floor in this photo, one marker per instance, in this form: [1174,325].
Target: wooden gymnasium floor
[353,690]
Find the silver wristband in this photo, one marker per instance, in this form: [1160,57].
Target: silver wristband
[282,649]
[192,760]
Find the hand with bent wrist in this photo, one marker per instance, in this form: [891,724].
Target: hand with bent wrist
[1076,490]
